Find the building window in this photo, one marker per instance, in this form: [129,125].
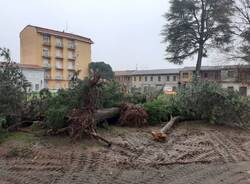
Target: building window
[59,53]
[45,52]
[146,78]
[205,75]
[185,75]
[71,44]
[71,65]
[168,78]
[230,74]
[174,78]
[59,42]
[139,78]
[243,91]
[46,39]
[37,87]
[71,55]
[59,64]
[159,78]
[151,78]
[134,78]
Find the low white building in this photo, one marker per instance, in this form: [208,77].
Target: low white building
[34,75]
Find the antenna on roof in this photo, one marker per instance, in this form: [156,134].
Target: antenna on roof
[66,27]
[136,67]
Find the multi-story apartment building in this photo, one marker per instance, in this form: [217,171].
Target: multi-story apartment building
[59,53]
[233,77]
[144,79]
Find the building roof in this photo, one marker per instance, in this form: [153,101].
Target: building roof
[124,72]
[147,72]
[29,66]
[212,68]
[61,34]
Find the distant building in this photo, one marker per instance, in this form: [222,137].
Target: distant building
[59,53]
[34,75]
[144,79]
[234,77]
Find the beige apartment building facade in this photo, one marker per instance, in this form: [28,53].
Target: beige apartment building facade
[59,53]
[233,77]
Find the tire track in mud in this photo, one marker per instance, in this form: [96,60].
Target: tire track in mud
[228,151]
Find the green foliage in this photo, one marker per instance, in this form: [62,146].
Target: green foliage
[202,100]
[56,117]
[161,108]
[3,122]
[135,97]
[13,87]
[103,69]
[193,26]
[112,95]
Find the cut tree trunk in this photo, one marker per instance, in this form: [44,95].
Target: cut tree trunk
[162,134]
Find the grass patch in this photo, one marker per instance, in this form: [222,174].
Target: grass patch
[21,137]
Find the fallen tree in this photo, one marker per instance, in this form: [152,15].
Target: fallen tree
[161,135]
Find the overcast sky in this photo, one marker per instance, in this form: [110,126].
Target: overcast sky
[126,32]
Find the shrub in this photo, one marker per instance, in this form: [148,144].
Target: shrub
[160,109]
[209,101]
[56,117]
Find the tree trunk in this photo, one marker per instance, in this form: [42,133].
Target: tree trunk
[162,134]
[199,61]
[103,114]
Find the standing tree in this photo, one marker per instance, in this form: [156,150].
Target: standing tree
[12,89]
[242,30]
[102,69]
[193,26]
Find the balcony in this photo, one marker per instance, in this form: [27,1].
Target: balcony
[47,65]
[59,45]
[73,58]
[46,55]
[59,66]
[70,67]
[59,77]
[46,43]
[47,77]
[59,56]
[72,46]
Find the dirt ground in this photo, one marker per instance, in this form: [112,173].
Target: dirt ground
[193,153]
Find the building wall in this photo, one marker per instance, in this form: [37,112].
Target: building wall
[236,86]
[137,83]
[31,50]
[35,77]
[30,46]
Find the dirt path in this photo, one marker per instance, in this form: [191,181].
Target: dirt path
[135,159]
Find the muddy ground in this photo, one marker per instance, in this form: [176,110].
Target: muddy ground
[193,153]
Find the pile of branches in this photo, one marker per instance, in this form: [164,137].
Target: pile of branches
[133,115]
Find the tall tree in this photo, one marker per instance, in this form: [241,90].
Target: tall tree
[101,68]
[194,26]
[242,29]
